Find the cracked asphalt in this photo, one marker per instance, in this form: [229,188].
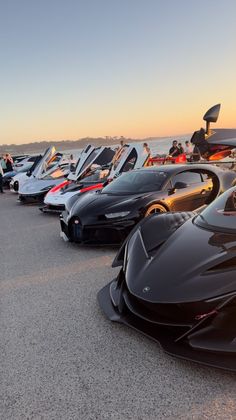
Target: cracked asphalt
[60,358]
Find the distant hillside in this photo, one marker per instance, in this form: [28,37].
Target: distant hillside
[66,144]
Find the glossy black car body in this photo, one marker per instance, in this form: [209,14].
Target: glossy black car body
[107,216]
[177,283]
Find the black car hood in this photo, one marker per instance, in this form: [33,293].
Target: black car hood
[98,203]
[184,269]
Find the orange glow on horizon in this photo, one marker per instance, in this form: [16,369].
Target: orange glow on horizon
[140,123]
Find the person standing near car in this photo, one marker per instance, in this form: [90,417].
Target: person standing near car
[1,179]
[181,149]
[119,151]
[147,149]
[9,162]
[3,163]
[188,149]
[174,150]
[71,163]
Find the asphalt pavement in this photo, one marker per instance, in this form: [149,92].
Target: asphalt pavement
[60,358]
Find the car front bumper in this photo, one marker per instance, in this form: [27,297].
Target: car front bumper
[32,198]
[112,233]
[49,208]
[168,337]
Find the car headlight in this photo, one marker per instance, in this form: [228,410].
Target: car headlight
[120,214]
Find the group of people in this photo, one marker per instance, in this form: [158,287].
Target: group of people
[6,162]
[178,149]
[6,165]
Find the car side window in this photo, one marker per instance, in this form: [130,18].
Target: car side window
[188,177]
[89,159]
[206,176]
[129,164]
[33,159]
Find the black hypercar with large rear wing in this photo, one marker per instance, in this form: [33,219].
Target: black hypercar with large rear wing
[177,283]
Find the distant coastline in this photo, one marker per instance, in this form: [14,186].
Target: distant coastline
[39,146]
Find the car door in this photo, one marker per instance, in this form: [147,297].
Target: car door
[192,195]
[40,166]
[133,157]
[209,181]
[86,157]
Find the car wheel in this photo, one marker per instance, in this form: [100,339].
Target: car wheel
[155,208]
[16,186]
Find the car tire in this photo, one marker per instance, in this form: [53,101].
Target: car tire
[155,208]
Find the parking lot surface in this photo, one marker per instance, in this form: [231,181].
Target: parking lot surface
[60,358]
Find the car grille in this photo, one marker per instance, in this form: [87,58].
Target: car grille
[167,313]
[59,207]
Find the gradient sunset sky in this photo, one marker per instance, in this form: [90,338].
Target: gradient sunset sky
[138,68]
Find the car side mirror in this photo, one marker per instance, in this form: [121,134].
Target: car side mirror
[177,186]
[180,185]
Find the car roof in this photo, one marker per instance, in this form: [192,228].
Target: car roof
[174,168]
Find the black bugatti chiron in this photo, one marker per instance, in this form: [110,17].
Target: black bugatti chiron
[107,216]
[177,283]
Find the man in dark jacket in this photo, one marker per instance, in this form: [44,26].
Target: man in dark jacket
[174,150]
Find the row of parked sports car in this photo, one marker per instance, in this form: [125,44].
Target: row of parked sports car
[177,228]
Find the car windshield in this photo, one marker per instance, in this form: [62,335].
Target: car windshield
[220,214]
[92,176]
[58,173]
[137,182]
